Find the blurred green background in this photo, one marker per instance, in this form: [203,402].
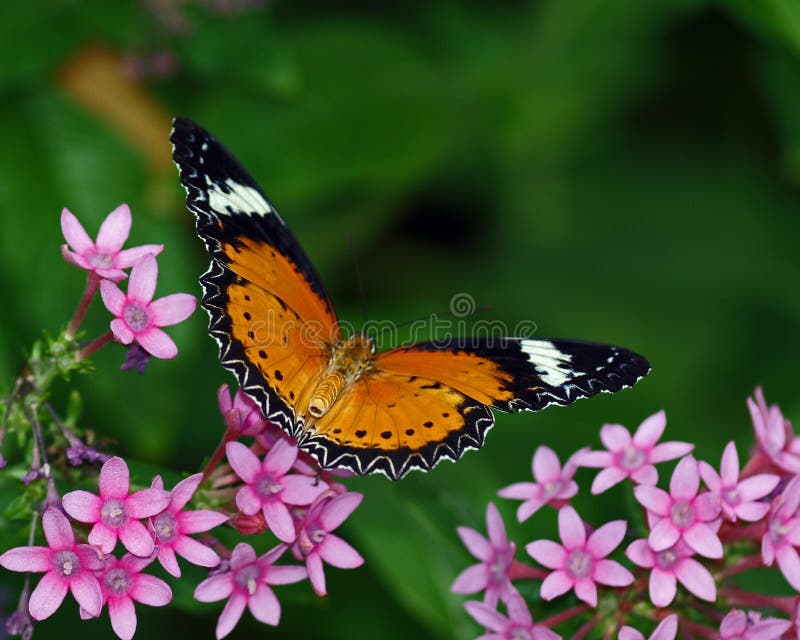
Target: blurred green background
[614,170]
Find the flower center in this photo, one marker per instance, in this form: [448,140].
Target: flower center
[667,559]
[520,633]
[498,569]
[777,530]
[101,260]
[732,496]
[136,317]
[166,527]
[247,578]
[117,581]
[114,513]
[631,458]
[266,486]
[66,563]
[682,514]
[579,564]
[552,488]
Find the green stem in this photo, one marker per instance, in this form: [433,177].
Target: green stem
[218,453]
[92,284]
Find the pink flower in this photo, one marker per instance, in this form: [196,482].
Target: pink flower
[738,499]
[774,433]
[495,554]
[670,566]
[316,542]
[138,316]
[104,257]
[269,487]
[173,525]
[667,629]
[634,457]
[783,534]
[247,585]
[66,566]
[116,514]
[682,514]
[516,626]
[241,414]
[580,563]
[122,582]
[738,626]
[553,484]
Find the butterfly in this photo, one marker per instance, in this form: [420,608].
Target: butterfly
[347,404]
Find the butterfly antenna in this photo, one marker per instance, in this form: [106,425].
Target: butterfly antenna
[358,278]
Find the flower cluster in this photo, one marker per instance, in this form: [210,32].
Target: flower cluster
[704,530]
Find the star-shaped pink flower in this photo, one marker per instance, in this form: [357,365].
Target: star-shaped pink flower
[114,513]
[139,317]
[496,555]
[316,543]
[247,585]
[670,566]
[517,625]
[553,484]
[66,566]
[105,256]
[738,499]
[240,413]
[682,514]
[632,457]
[580,563]
[737,625]
[270,487]
[122,582]
[783,533]
[173,525]
[667,629]
[774,433]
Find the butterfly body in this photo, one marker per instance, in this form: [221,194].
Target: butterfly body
[346,403]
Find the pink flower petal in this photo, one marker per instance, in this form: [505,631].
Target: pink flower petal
[651,429]
[769,629]
[47,596]
[477,545]
[696,578]
[702,539]
[122,332]
[653,499]
[136,538]
[57,530]
[663,535]
[166,556]
[646,474]
[142,283]
[90,557]
[215,588]
[243,554]
[594,459]
[200,521]
[281,458]
[102,537]
[662,587]
[172,309]
[518,609]
[301,490]
[571,528]
[607,538]
[196,552]
[82,506]
[710,476]
[247,501]
[528,508]
[707,506]
[547,553]
[157,343]
[75,258]
[495,527]
[279,521]
[337,510]
[243,461]
[264,605]
[183,491]
[286,574]
[113,298]
[338,553]
[729,467]
[115,229]
[629,633]
[231,615]
[86,590]
[669,451]
[789,564]
[545,467]
[151,591]
[685,480]
[115,275]
[115,481]
[614,436]
[757,487]
[607,478]
[316,574]
[74,233]
[147,502]
[612,573]
[751,511]
[123,617]
[129,257]
[586,590]
[556,584]
[519,491]
[735,623]
[667,628]
[640,553]
[33,559]
[486,616]
[472,580]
